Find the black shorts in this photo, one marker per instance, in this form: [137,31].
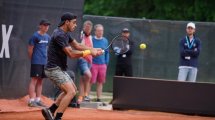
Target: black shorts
[37,71]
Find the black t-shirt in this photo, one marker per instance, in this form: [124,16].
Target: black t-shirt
[56,55]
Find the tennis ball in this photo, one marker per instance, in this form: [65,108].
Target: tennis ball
[142,46]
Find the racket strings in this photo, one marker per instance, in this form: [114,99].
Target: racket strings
[120,45]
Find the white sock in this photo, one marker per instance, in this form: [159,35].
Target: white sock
[31,100]
[38,99]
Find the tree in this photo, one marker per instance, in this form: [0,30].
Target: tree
[193,10]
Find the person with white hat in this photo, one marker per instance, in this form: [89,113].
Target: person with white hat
[190,47]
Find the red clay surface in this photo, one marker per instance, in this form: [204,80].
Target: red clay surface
[90,114]
[20,105]
[18,110]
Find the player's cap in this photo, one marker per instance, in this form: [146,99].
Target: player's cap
[66,16]
[191,24]
[44,22]
[125,30]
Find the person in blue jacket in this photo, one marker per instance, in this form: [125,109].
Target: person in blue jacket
[190,47]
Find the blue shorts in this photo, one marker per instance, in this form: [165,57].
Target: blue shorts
[83,65]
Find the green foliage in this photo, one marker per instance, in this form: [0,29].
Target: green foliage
[194,10]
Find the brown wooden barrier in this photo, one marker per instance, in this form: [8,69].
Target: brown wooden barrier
[163,95]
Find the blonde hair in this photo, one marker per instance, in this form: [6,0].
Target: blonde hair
[98,25]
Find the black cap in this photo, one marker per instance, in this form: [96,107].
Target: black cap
[125,30]
[66,16]
[44,22]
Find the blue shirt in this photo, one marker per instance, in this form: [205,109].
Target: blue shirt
[101,43]
[40,43]
[189,51]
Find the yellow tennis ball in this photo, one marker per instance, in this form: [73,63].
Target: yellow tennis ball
[142,46]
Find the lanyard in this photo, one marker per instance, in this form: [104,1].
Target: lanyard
[190,45]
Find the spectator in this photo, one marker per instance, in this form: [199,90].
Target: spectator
[85,63]
[123,64]
[99,66]
[190,47]
[37,50]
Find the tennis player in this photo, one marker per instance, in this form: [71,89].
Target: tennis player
[59,49]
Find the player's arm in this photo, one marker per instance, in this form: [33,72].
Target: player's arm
[79,46]
[60,40]
[73,53]
[76,53]
[30,51]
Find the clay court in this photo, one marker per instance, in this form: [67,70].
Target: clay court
[157,24]
[18,110]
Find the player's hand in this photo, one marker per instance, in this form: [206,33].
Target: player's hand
[99,51]
[96,52]
[93,52]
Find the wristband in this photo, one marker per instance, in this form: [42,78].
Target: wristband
[86,52]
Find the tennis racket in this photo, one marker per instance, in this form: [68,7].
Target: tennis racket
[119,44]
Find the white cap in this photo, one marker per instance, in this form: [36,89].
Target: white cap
[191,24]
